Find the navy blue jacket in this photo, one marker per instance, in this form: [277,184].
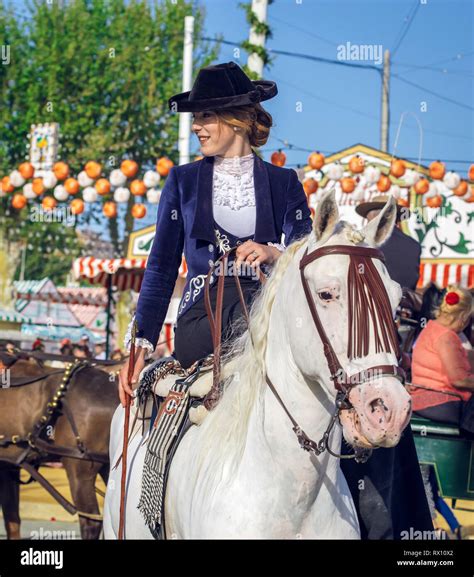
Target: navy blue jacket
[185,222]
[402,258]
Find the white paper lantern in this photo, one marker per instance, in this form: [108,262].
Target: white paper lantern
[436,188]
[60,193]
[451,180]
[89,194]
[411,177]
[335,171]
[49,179]
[117,177]
[151,178]
[153,195]
[372,174]
[84,180]
[121,194]
[16,179]
[28,191]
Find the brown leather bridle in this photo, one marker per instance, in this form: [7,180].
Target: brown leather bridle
[342,383]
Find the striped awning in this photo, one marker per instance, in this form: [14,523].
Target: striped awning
[126,273]
[12,316]
[443,273]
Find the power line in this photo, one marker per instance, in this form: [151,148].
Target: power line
[408,22]
[446,98]
[312,34]
[459,56]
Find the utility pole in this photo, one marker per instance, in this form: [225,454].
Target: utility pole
[185,117]
[254,62]
[385,119]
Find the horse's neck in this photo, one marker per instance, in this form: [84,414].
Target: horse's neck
[309,406]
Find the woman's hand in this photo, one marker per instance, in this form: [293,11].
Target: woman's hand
[255,254]
[123,387]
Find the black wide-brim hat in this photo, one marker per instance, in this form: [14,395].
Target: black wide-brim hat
[377,203]
[222,86]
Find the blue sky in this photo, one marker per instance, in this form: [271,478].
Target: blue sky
[341,106]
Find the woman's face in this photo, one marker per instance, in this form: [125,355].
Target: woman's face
[214,137]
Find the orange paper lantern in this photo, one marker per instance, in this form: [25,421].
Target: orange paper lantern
[461,189]
[437,170]
[110,209]
[19,201]
[129,168]
[384,183]
[471,173]
[26,169]
[403,202]
[434,201]
[61,170]
[138,188]
[356,164]
[310,186]
[138,210]
[77,206]
[7,186]
[164,165]
[316,160]
[347,184]
[38,186]
[49,203]
[422,186]
[102,186]
[398,168]
[93,169]
[278,158]
[71,185]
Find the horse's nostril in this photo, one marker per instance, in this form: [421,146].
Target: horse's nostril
[378,404]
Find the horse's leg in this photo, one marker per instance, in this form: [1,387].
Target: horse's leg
[10,497]
[82,477]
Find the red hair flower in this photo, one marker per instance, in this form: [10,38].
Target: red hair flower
[452,298]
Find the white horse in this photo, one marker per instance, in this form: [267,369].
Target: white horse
[242,473]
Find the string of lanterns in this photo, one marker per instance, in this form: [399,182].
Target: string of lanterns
[358,174]
[90,185]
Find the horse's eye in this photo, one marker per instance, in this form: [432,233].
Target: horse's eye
[325,295]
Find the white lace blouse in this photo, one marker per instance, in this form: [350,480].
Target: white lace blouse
[234,208]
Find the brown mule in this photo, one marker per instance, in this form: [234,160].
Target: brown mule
[78,421]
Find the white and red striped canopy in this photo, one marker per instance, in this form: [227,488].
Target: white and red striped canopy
[126,273]
[444,273]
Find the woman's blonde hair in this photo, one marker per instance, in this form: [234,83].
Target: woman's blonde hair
[252,118]
[455,310]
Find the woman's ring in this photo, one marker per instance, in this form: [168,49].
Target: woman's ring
[254,253]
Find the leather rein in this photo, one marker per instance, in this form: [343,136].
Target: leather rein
[341,381]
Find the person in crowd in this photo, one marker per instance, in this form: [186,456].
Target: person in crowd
[84,342]
[99,350]
[80,351]
[402,252]
[442,370]
[117,355]
[38,345]
[10,347]
[65,347]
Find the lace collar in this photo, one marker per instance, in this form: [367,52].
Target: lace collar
[234,164]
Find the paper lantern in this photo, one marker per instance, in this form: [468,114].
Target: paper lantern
[138,188]
[84,180]
[27,170]
[278,158]
[110,209]
[411,177]
[422,186]
[60,193]
[395,191]
[437,170]
[93,169]
[356,164]
[151,178]
[384,183]
[7,186]
[316,160]
[16,179]
[372,174]
[129,168]
[121,194]
[164,165]
[461,189]
[89,194]
[471,173]
[347,185]
[77,206]
[71,185]
[102,186]
[138,210]
[49,179]
[49,203]
[434,201]
[397,168]
[28,191]
[335,171]
[310,186]
[452,180]
[153,195]
[61,170]
[38,186]
[19,201]
[117,177]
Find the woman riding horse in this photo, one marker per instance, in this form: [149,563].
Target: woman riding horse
[228,198]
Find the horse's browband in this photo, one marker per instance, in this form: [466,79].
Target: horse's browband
[364,251]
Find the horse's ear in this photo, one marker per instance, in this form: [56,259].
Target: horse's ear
[325,220]
[378,230]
